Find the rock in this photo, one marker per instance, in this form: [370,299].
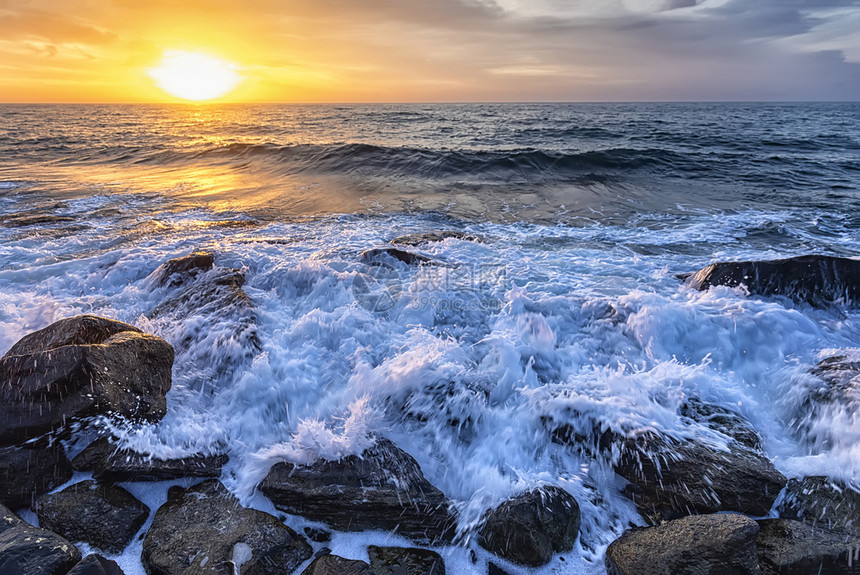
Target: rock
[529,528]
[317,535]
[380,254]
[724,421]
[203,529]
[493,569]
[95,454]
[80,367]
[670,479]
[381,489]
[103,516]
[334,565]
[130,466]
[27,472]
[788,547]
[178,270]
[814,279]
[436,236]
[719,544]
[822,502]
[95,564]
[405,561]
[28,550]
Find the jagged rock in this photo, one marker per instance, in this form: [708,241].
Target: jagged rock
[814,279]
[95,564]
[404,561]
[717,544]
[529,528]
[435,236]
[28,550]
[80,367]
[670,479]
[130,466]
[822,502]
[334,565]
[203,529]
[380,254]
[383,488]
[178,270]
[724,421]
[94,455]
[787,547]
[104,516]
[27,472]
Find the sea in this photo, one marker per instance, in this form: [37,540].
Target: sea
[569,310]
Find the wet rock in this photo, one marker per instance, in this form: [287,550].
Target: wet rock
[814,279]
[697,545]
[80,367]
[435,236]
[317,535]
[104,516]
[27,472]
[94,455]
[381,254]
[529,528]
[178,270]
[493,569]
[724,421]
[788,547]
[95,564]
[28,550]
[405,561]
[670,479]
[203,529]
[334,565]
[381,489]
[822,502]
[130,466]
[33,218]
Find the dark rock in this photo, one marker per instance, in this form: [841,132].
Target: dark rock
[814,279]
[721,544]
[81,367]
[334,565]
[822,502]
[27,472]
[787,547]
[94,455]
[32,219]
[436,236]
[203,529]
[670,479]
[724,421]
[28,550]
[178,270]
[381,489]
[493,569]
[380,254]
[530,527]
[317,535]
[95,564]
[405,561]
[130,466]
[104,516]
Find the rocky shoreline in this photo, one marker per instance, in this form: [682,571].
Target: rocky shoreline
[705,507]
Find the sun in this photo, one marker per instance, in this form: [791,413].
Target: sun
[194,76]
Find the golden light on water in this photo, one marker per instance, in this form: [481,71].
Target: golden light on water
[193,76]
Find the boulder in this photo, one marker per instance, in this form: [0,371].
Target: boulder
[435,236]
[28,550]
[404,561]
[718,544]
[95,564]
[203,529]
[532,526]
[815,279]
[383,488]
[376,255]
[334,565]
[177,271]
[127,465]
[787,547]
[95,454]
[104,516]
[80,367]
[822,502]
[726,422]
[27,472]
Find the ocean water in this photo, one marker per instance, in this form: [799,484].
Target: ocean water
[569,311]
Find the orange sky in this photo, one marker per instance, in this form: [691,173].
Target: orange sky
[436,50]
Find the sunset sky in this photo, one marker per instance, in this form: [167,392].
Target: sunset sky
[437,50]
